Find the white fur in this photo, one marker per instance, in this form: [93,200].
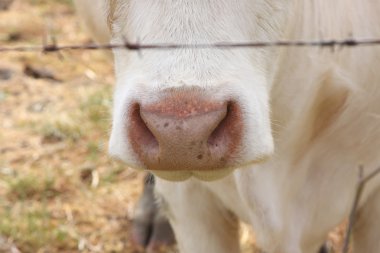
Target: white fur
[325,116]
[93,13]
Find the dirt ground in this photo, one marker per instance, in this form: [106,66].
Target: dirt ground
[59,191]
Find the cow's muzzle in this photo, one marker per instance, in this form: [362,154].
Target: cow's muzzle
[185,131]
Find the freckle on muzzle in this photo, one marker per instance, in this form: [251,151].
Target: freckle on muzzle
[185,130]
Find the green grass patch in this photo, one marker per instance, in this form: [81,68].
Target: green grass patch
[59,131]
[3,96]
[46,2]
[33,230]
[97,107]
[94,150]
[113,174]
[31,187]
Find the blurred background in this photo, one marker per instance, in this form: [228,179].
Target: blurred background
[59,191]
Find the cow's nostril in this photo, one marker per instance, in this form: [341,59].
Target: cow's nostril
[225,138]
[220,133]
[142,139]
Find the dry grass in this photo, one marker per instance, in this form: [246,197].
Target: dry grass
[59,191]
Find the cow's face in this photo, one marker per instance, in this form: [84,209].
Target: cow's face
[193,112]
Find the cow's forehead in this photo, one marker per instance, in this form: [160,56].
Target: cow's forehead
[222,18]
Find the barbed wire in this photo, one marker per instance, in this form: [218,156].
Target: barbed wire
[362,181]
[54,47]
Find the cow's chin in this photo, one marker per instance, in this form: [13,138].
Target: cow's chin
[178,175]
[208,175]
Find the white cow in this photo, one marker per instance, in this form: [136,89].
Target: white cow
[271,136]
